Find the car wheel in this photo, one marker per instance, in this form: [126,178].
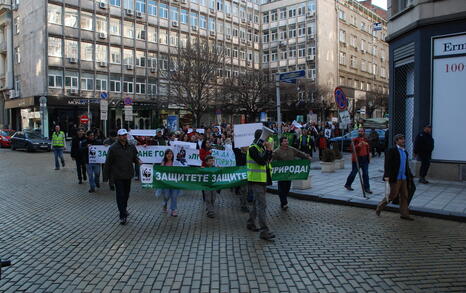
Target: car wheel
[30,149]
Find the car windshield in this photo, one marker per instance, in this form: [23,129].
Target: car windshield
[32,135]
[6,132]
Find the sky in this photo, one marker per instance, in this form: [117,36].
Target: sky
[380,3]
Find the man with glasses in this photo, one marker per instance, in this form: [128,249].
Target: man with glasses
[120,162]
[360,150]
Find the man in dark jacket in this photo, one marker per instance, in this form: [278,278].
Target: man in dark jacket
[242,191]
[120,162]
[397,173]
[78,155]
[423,147]
[108,142]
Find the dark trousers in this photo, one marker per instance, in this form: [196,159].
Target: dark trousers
[122,188]
[364,165]
[425,164]
[81,169]
[283,189]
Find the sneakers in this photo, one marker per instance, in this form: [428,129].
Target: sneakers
[252,227]
[284,207]
[267,235]
[63,164]
[369,191]
[211,215]
[408,218]
[349,188]
[123,221]
[80,182]
[423,181]
[174,214]
[91,190]
[164,208]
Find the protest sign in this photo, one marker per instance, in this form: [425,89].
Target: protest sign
[146,174]
[184,156]
[224,158]
[97,154]
[290,170]
[244,133]
[143,132]
[189,145]
[147,154]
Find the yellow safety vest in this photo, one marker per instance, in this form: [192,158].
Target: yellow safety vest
[255,172]
[308,138]
[58,140]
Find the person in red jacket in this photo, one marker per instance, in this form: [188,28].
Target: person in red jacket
[206,150]
[321,143]
[361,149]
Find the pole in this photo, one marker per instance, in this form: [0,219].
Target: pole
[279,113]
[359,170]
[89,113]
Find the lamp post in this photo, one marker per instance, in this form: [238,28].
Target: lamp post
[43,116]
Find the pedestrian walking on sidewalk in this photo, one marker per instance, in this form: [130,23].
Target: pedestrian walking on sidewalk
[360,156]
[58,145]
[398,174]
[169,194]
[120,162]
[423,147]
[79,155]
[285,153]
[93,169]
[259,176]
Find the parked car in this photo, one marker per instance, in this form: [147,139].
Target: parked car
[5,137]
[30,141]
[346,139]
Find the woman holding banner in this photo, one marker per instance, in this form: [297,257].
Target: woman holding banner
[169,194]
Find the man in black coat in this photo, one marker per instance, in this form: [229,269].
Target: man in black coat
[423,147]
[78,154]
[397,173]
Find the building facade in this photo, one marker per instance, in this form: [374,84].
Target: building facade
[72,51]
[427,58]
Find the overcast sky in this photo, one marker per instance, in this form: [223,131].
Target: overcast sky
[380,3]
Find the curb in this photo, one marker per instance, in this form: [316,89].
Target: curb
[361,203]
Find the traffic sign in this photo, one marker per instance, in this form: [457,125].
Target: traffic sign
[128,101]
[84,119]
[377,26]
[103,109]
[103,95]
[341,99]
[289,76]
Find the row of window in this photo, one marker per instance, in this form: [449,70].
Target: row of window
[365,86]
[288,12]
[363,26]
[290,31]
[290,52]
[366,66]
[140,31]
[364,46]
[85,51]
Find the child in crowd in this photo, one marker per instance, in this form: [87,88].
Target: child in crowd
[168,193]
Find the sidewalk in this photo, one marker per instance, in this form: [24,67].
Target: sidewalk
[442,199]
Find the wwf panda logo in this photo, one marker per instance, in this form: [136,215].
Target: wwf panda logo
[92,152]
[146,173]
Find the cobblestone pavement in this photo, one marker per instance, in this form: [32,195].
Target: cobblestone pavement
[62,239]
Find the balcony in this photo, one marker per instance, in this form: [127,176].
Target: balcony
[5,6]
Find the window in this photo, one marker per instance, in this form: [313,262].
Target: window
[353,61]
[87,51]
[128,4]
[353,20]
[203,21]
[353,40]
[101,83]
[292,52]
[128,85]
[71,17]
[311,51]
[115,3]
[141,6]
[152,7]
[363,66]
[140,59]
[301,51]
[87,21]
[194,19]
[152,87]
[363,26]
[174,14]
[115,55]
[163,37]
[283,55]
[55,79]
[151,34]
[312,73]
[265,37]
[55,47]
[54,14]
[342,36]
[17,25]
[265,18]
[115,27]
[301,30]
[273,15]
[71,82]
[363,46]
[265,57]
[163,8]
[140,31]
[301,10]
[101,24]
[152,61]
[184,16]
[101,53]
[220,5]
[174,39]
[128,57]
[115,84]
[140,88]
[87,83]
[341,14]
[71,49]
[292,31]
[292,12]
[283,13]
[128,30]
[211,24]
[342,58]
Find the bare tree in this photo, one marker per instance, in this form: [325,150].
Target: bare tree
[375,100]
[249,93]
[192,78]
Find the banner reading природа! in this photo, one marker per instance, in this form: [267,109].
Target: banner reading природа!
[196,178]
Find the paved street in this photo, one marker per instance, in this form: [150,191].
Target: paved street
[61,238]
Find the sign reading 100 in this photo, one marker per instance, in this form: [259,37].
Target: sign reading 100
[454,67]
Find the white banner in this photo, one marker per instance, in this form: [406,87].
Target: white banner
[189,145]
[244,133]
[143,132]
[224,158]
[186,157]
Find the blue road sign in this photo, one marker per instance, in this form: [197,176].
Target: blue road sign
[103,95]
[288,76]
[128,101]
[289,80]
[341,99]
[377,26]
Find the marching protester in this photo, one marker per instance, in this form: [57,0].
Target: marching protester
[321,143]
[242,191]
[305,142]
[58,145]
[206,150]
[169,194]
[259,176]
[120,162]
[423,147]
[286,153]
[159,139]
[93,169]
[210,195]
[398,174]
[79,155]
[360,155]
[108,142]
[374,142]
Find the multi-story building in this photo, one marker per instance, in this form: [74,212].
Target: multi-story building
[334,41]
[70,51]
[427,41]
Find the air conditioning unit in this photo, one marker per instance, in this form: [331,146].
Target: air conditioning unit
[243,41]
[139,14]
[102,35]
[228,37]
[282,44]
[310,13]
[129,66]
[194,28]
[103,64]
[310,37]
[249,22]
[129,12]
[243,20]
[102,5]
[73,91]
[249,43]
[175,23]
[248,63]
[153,70]
[212,11]
[73,60]
[228,15]
[310,58]
[212,33]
